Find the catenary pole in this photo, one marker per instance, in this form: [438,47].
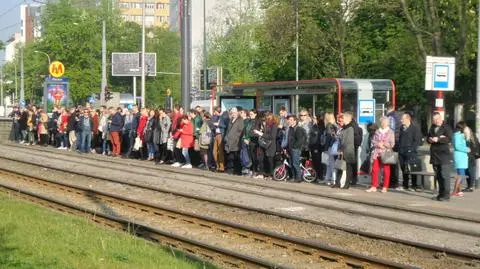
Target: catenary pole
[297,24]
[104,64]
[205,61]
[477,111]
[186,52]
[22,79]
[143,55]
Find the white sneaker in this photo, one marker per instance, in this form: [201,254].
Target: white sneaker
[187,166]
[399,188]
[177,164]
[21,142]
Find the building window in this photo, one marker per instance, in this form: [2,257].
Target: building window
[150,6]
[162,5]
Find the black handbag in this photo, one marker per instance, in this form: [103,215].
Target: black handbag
[414,165]
[263,142]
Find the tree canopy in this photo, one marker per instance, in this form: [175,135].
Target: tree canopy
[73,35]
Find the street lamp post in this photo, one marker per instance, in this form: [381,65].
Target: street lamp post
[49,61]
[143,55]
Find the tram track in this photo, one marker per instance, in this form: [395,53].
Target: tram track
[169,175]
[433,249]
[175,228]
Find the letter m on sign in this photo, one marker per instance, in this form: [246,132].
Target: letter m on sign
[57,69]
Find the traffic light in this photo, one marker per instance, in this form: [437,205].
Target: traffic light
[108,94]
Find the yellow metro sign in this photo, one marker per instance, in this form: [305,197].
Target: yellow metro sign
[56,69]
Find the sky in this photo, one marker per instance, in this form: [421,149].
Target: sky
[9,15]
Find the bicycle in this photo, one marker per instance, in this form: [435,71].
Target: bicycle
[280,173]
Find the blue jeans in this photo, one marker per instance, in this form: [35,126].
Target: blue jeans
[295,163]
[85,141]
[151,149]
[186,155]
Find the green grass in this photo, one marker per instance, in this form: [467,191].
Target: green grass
[35,237]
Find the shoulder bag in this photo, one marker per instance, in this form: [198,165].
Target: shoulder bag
[389,157]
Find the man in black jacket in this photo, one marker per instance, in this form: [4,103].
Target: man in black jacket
[297,140]
[410,139]
[133,130]
[440,136]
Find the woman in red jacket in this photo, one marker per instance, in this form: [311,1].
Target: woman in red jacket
[187,140]
[142,123]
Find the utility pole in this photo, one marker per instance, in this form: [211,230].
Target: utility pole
[186,29]
[1,91]
[205,61]
[477,112]
[104,64]
[22,80]
[297,24]
[143,54]
[16,83]
[135,90]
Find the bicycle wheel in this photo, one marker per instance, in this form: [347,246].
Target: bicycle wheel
[280,173]
[309,175]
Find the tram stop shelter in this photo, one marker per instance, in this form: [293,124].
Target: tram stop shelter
[319,95]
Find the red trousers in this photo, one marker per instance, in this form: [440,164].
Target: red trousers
[386,173]
[115,137]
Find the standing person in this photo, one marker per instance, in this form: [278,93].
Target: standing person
[30,128]
[15,134]
[205,139]
[268,133]
[104,129]
[439,137]
[52,125]
[127,129]
[316,145]
[253,124]
[116,126]
[409,140]
[42,128]
[306,123]
[135,118]
[297,139]
[282,128]
[331,144]
[244,153]
[164,124]
[197,124]
[474,145]
[186,139]
[395,125]
[85,126]
[94,114]
[460,156]
[233,137]
[23,125]
[142,124]
[72,128]
[62,129]
[220,124]
[383,140]
[148,135]
[346,148]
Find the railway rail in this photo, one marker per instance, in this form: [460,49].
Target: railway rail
[434,249]
[173,175]
[174,228]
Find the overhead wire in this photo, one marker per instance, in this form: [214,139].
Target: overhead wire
[10,26]
[13,7]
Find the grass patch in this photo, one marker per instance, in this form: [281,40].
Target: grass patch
[35,237]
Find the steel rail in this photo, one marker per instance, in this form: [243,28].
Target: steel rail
[219,177]
[449,251]
[295,245]
[178,242]
[475,233]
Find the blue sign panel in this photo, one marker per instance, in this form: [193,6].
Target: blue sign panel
[366,111]
[440,76]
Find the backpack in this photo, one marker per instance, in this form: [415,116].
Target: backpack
[205,135]
[357,136]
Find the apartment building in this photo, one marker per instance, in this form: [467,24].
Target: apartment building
[157,12]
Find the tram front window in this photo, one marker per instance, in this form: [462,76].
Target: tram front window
[349,102]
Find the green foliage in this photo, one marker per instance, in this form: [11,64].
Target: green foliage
[73,35]
[358,39]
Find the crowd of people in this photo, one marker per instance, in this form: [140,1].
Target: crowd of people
[251,143]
